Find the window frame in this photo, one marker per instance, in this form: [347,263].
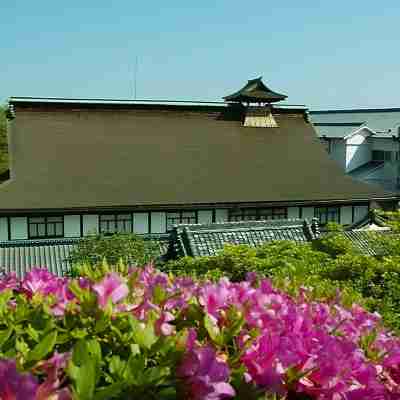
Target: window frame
[257,214]
[115,221]
[386,155]
[182,219]
[46,224]
[317,214]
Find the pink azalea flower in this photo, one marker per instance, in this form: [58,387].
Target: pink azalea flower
[54,369]
[162,326]
[14,385]
[39,280]
[205,376]
[111,287]
[8,282]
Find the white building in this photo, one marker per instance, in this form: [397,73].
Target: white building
[365,142]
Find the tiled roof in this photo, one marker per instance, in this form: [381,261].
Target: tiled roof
[207,240]
[20,256]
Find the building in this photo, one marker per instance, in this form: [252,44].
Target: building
[198,240]
[86,166]
[365,143]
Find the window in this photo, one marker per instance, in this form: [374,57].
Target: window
[381,155]
[257,214]
[327,214]
[46,227]
[115,223]
[181,217]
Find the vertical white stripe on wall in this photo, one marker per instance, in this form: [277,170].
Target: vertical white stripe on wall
[3,228]
[140,222]
[90,224]
[72,225]
[19,228]
[204,216]
[158,222]
[346,214]
[308,212]
[293,212]
[221,215]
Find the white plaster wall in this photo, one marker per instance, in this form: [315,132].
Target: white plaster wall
[19,228]
[158,222]
[346,215]
[293,212]
[221,215]
[140,223]
[308,212]
[357,155]
[204,216]
[338,152]
[90,224]
[360,212]
[72,225]
[3,229]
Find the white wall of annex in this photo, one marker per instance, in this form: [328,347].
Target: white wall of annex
[357,155]
[204,216]
[3,229]
[293,212]
[158,222]
[19,228]
[308,213]
[141,223]
[221,215]
[346,213]
[360,212]
[90,224]
[72,225]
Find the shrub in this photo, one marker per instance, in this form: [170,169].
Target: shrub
[128,248]
[148,335]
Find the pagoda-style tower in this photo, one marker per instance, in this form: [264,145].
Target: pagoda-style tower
[256,92]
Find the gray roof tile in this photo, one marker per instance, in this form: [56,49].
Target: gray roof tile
[20,256]
[207,240]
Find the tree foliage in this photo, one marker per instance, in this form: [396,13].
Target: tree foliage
[126,248]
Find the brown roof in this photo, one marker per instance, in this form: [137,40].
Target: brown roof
[74,155]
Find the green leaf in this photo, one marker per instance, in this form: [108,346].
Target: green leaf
[143,334]
[117,367]
[43,348]
[213,330]
[5,335]
[109,392]
[159,294]
[83,369]
[155,375]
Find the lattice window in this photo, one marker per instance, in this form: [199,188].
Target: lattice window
[181,217]
[257,214]
[46,227]
[115,223]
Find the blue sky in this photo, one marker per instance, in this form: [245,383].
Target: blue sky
[325,54]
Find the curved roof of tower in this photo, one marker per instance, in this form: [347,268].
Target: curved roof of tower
[255,91]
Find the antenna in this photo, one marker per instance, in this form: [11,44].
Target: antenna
[135,77]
